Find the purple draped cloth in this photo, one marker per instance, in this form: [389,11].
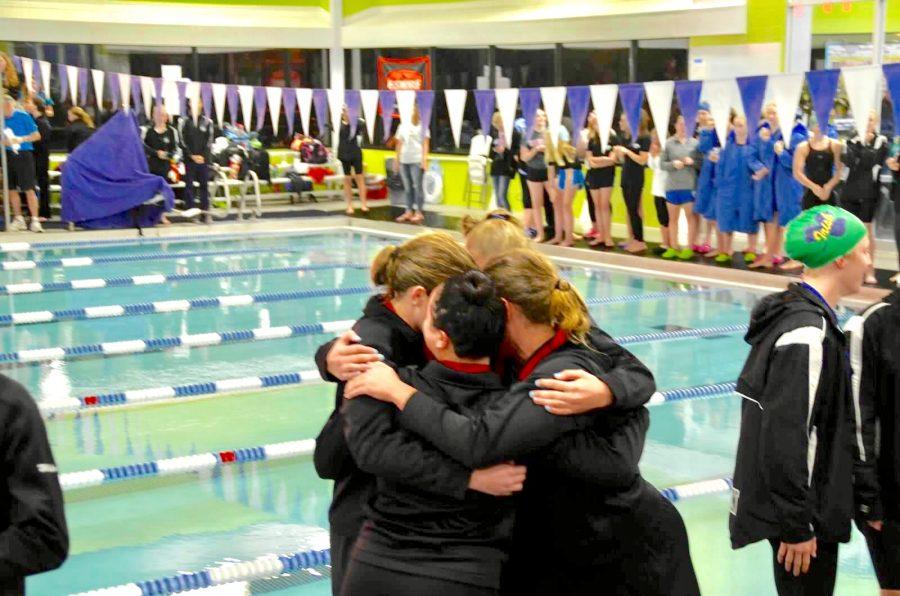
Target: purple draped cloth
[100,193]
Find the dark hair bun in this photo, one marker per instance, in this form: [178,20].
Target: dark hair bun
[476,287]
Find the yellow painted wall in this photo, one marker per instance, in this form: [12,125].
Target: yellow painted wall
[766,23]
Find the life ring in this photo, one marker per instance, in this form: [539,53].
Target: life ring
[433,185]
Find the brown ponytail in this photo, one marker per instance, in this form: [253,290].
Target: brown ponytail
[497,233]
[530,281]
[426,260]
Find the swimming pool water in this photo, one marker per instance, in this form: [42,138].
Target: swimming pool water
[149,528]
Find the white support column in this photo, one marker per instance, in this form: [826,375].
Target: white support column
[798,37]
[336,60]
[878,32]
[356,68]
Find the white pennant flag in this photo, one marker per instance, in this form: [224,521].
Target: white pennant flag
[554,99]
[507,99]
[784,91]
[863,84]
[99,77]
[28,71]
[304,104]
[406,99]
[456,107]
[659,96]
[192,93]
[218,93]
[369,101]
[147,93]
[273,94]
[45,76]
[125,90]
[604,100]
[245,92]
[720,95]
[72,71]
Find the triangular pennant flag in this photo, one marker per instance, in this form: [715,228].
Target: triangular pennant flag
[72,74]
[688,94]
[425,103]
[45,76]
[112,83]
[784,91]
[456,107]
[530,99]
[506,104]
[218,93]
[181,87]
[753,91]
[206,100]
[659,96]
[554,99]
[720,93]
[99,78]
[124,90]
[604,100]
[352,100]
[822,86]
[147,95]
[273,95]
[632,98]
[320,105]
[892,76]
[28,72]
[158,95]
[245,92]
[335,108]
[863,84]
[369,100]
[259,100]
[387,99]
[83,84]
[63,71]
[579,98]
[484,105]
[232,98]
[304,103]
[289,103]
[136,95]
[406,99]
[193,92]
[17,63]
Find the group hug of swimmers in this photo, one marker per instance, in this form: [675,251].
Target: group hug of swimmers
[453,475]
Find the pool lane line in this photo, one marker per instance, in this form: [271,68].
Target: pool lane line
[164,306]
[185,464]
[71,262]
[697,489]
[157,279]
[265,566]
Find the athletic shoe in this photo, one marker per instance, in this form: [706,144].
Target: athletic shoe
[590,234]
[777,261]
[36,226]
[660,250]
[18,224]
[686,255]
[723,258]
[531,233]
[702,249]
[670,253]
[749,257]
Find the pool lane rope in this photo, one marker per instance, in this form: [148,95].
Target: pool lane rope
[158,278]
[197,340]
[70,262]
[272,565]
[164,306]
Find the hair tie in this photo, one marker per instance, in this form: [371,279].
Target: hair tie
[503,216]
[562,285]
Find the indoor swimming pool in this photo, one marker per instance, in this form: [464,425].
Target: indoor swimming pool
[213,340]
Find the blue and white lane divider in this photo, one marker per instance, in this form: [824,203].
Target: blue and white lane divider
[161,344]
[648,296]
[69,262]
[157,279]
[266,566]
[164,306]
[196,340]
[696,392]
[186,464]
[697,489]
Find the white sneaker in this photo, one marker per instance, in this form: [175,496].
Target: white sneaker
[36,225]
[18,224]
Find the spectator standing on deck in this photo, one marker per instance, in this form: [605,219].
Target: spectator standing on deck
[196,140]
[33,533]
[22,132]
[79,129]
[35,106]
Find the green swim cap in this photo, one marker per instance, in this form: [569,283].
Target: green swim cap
[823,234]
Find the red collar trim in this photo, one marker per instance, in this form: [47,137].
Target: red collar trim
[466,367]
[388,304]
[553,344]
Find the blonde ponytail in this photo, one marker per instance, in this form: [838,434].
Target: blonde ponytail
[426,260]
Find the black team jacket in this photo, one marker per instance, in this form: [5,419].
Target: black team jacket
[797,456]
[33,534]
[383,330]
[875,357]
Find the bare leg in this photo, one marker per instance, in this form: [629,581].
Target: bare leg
[32,199]
[558,213]
[568,198]
[348,194]
[693,223]
[16,202]
[674,213]
[606,208]
[536,190]
[767,260]
[361,187]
